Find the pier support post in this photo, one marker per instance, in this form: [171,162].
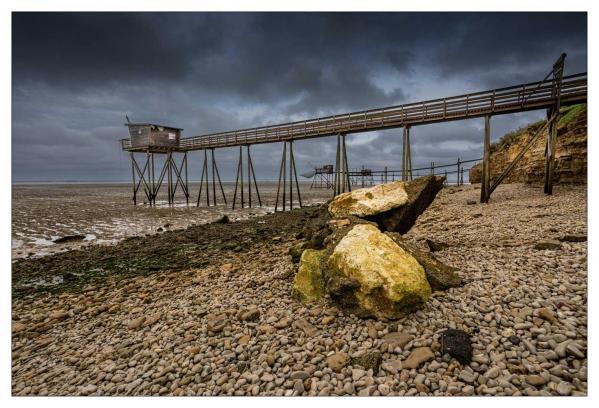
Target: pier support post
[153,176]
[458,173]
[181,178]
[204,176]
[558,73]
[486,181]
[342,181]
[251,177]
[205,180]
[133,178]
[169,178]
[283,177]
[141,173]
[406,160]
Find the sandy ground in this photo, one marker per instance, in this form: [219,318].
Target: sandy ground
[183,328]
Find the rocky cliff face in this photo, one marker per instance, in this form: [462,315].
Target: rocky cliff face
[570,155]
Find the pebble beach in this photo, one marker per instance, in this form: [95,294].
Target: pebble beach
[220,319]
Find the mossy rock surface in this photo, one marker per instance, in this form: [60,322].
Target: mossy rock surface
[308,285]
[372,275]
[439,275]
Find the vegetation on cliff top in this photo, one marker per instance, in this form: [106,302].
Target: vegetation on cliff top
[569,113]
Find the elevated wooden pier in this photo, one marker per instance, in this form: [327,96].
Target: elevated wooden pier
[550,93]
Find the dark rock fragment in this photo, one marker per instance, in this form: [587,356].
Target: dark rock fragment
[69,238]
[573,238]
[368,360]
[297,250]
[223,220]
[515,340]
[548,244]
[436,246]
[457,344]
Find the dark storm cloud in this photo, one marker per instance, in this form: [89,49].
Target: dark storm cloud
[75,75]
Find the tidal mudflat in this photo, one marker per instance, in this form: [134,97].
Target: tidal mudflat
[104,214]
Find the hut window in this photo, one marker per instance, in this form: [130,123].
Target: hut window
[172,136]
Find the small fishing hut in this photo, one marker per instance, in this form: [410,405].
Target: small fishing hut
[153,137]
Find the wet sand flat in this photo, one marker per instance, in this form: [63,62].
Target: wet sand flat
[104,213]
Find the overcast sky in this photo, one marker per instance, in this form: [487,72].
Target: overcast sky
[76,75]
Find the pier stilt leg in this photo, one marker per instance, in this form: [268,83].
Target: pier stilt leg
[133,177]
[249,177]
[485,182]
[254,177]
[181,178]
[282,183]
[345,167]
[153,201]
[142,178]
[290,175]
[207,179]
[186,181]
[337,163]
[409,155]
[169,171]
[281,172]
[404,156]
[284,174]
[292,164]
[158,184]
[220,183]
[241,175]
[201,186]
[213,178]
[558,73]
[236,184]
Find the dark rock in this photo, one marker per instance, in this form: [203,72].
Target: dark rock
[515,340]
[368,360]
[548,244]
[69,238]
[317,239]
[249,315]
[436,246]
[69,277]
[470,202]
[160,229]
[457,344]
[421,193]
[297,250]
[573,238]
[223,220]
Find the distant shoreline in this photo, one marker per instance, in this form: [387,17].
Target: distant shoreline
[29,183]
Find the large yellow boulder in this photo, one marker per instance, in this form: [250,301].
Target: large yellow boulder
[369,201]
[308,285]
[369,274]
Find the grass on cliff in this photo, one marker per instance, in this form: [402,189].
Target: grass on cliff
[569,113]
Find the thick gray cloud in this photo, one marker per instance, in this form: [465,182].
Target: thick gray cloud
[75,76]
